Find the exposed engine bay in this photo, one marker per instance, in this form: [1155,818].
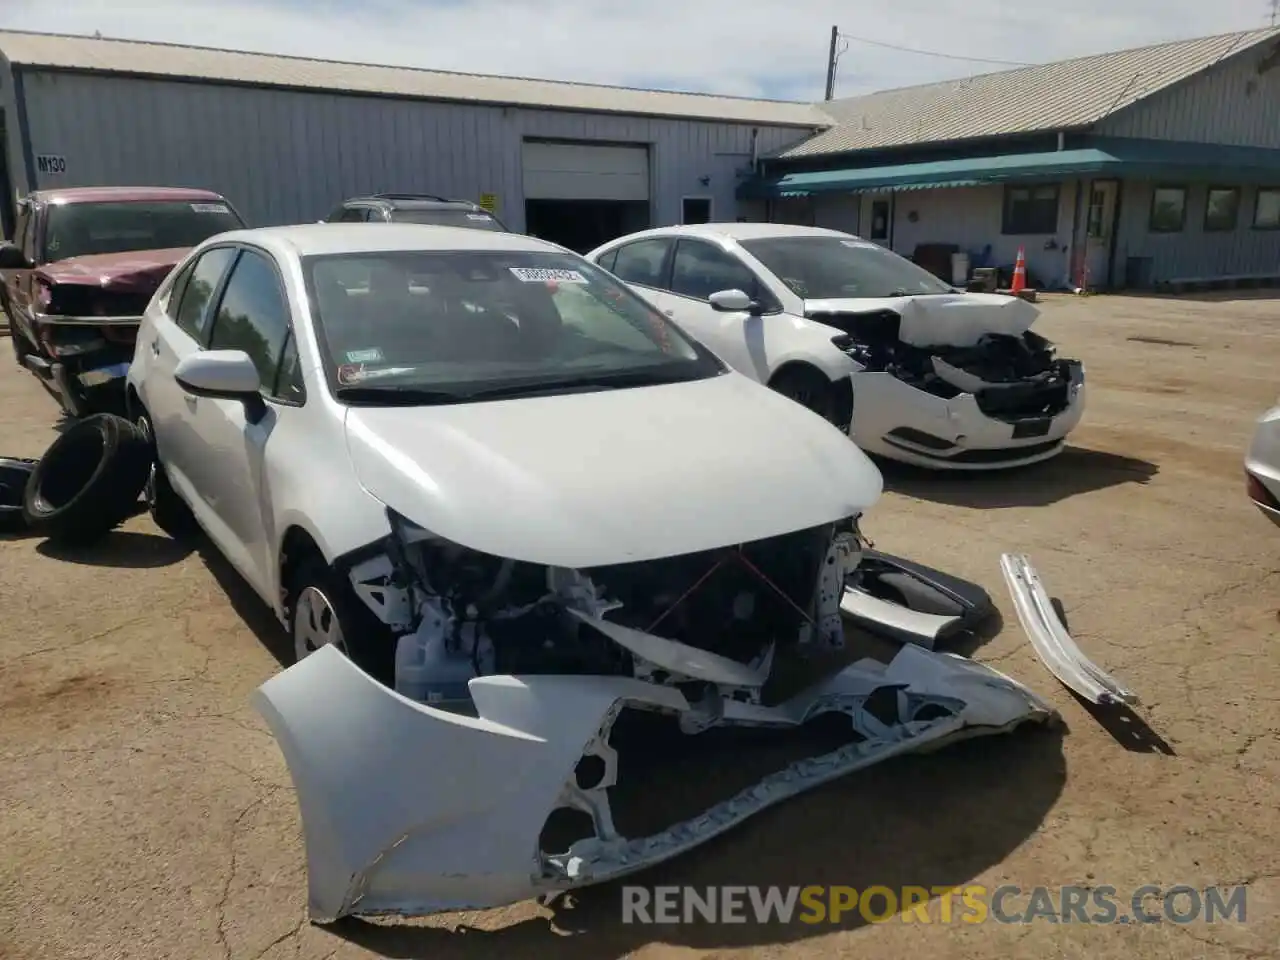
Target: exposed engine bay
[458,614]
[1012,377]
[546,713]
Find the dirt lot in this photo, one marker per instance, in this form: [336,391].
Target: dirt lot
[147,812]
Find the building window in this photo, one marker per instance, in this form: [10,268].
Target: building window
[1168,210]
[1031,209]
[695,210]
[1222,209]
[1266,211]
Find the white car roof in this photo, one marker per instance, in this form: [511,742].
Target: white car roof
[737,231]
[311,239]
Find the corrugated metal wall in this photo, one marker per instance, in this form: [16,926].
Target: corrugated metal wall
[1230,104]
[287,156]
[1194,254]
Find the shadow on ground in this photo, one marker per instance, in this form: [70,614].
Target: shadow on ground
[1073,472]
[119,548]
[933,821]
[249,607]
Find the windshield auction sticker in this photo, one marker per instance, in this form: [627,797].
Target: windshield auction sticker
[540,275]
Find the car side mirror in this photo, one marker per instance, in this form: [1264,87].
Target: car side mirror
[734,301]
[12,257]
[223,375]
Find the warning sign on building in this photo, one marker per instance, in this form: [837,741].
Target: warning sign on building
[489,201]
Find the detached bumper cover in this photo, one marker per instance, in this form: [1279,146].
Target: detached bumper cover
[899,421]
[408,810]
[1051,640]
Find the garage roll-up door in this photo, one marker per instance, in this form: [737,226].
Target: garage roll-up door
[585,171]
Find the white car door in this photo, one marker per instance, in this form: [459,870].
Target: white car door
[700,268]
[253,315]
[644,266]
[173,333]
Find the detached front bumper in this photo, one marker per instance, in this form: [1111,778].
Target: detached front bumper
[900,422]
[409,810]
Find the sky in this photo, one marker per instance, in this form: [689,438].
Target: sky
[759,48]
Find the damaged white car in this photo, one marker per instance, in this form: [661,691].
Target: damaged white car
[557,540]
[916,370]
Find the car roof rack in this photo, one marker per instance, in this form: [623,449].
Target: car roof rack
[414,196]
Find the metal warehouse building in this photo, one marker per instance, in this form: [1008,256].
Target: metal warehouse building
[286,139]
[1158,165]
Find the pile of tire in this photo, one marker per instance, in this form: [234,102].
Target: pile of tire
[87,483]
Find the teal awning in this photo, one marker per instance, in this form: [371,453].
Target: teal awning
[1117,158]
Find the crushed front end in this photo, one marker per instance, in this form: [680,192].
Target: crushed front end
[540,711]
[85,334]
[1003,400]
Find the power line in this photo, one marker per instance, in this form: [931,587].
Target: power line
[950,56]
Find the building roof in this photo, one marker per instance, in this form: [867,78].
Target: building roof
[1107,157]
[1069,94]
[177,61]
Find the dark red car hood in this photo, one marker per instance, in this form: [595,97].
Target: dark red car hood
[137,271]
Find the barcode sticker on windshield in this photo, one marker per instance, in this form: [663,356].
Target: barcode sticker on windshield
[210,208]
[859,244]
[478,216]
[541,275]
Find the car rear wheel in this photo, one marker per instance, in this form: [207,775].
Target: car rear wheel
[809,388]
[168,510]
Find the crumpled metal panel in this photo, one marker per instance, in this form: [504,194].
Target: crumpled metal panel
[410,810]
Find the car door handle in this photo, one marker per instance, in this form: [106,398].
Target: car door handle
[191,400]
[669,313]
[155,348]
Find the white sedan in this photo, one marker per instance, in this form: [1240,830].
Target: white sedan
[916,370]
[507,487]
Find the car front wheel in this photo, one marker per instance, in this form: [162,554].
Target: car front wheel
[322,611]
[809,388]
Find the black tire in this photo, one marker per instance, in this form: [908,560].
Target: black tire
[15,472]
[88,481]
[366,639]
[168,510]
[808,387]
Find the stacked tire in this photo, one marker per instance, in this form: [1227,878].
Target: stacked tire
[87,483]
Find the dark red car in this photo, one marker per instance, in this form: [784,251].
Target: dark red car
[80,271]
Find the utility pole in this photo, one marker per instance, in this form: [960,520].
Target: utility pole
[1275,12]
[835,38]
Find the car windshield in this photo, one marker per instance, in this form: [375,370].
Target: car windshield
[449,326]
[120,226]
[448,217]
[835,268]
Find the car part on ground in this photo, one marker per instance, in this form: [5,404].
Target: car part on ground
[1262,465]
[911,603]
[1051,640]
[386,834]
[88,481]
[81,276]
[14,474]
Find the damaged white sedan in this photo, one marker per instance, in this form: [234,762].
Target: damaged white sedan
[557,541]
[916,370]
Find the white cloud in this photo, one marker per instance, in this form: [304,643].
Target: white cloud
[761,48]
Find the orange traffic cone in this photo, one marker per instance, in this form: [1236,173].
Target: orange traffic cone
[1019,273]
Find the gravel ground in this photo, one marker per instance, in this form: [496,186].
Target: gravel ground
[148,813]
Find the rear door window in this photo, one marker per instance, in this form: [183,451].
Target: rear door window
[643,262]
[193,310]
